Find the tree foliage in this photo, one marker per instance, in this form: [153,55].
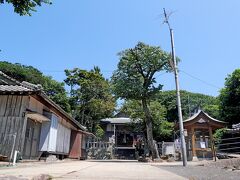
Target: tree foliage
[54,89]
[164,110]
[219,134]
[230,98]
[134,79]
[99,132]
[191,102]
[25,7]
[91,99]
[162,129]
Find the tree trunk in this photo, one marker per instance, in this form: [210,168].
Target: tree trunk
[148,122]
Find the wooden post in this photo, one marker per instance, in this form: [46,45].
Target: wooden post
[193,145]
[212,143]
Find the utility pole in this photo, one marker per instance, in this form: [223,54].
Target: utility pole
[173,63]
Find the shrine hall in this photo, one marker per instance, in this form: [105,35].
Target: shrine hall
[199,130]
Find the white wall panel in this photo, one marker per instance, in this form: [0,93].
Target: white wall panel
[63,139]
[53,133]
[44,137]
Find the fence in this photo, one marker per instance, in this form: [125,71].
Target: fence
[105,150]
[99,150]
[166,148]
[98,144]
[228,145]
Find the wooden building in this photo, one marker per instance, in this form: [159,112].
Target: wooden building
[199,135]
[33,124]
[119,131]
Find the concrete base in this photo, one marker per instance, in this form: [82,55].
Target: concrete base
[51,158]
[195,159]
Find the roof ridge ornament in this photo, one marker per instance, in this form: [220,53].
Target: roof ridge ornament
[202,120]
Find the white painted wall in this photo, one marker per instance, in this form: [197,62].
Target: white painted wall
[63,139]
[48,137]
[44,137]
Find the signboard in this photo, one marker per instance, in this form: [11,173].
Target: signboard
[185,133]
[203,145]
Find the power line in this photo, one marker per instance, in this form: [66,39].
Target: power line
[204,82]
[63,71]
[160,74]
[111,71]
[103,71]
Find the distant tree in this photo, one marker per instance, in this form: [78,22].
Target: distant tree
[99,132]
[191,103]
[213,110]
[54,89]
[134,79]
[91,99]
[230,98]
[25,7]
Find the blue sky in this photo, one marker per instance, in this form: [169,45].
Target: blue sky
[85,33]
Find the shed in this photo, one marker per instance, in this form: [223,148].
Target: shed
[200,128]
[78,144]
[31,122]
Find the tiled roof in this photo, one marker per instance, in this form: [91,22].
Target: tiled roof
[14,88]
[198,113]
[10,85]
[7,80]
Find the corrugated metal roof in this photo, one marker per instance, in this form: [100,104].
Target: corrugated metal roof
[38,117]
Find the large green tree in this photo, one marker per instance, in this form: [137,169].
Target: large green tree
[25,7]
[54,89]
[230,98]
[91,99]
[135,79]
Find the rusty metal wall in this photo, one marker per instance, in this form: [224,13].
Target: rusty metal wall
[75,146]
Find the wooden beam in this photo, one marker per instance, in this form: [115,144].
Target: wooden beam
[193,142]
[211,140]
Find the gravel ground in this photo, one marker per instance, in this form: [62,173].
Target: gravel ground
[202,173]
